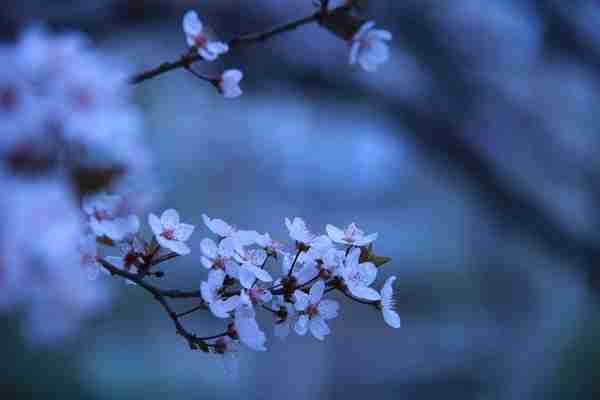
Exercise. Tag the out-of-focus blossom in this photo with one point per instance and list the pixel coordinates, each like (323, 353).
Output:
(68, 130)
(170, 233)
(88, 250)
(229, 83)
(43, 262)
(109, 216)
(369, 47)
(196, 38)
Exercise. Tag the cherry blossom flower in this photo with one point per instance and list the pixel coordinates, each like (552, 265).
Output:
(302, 274)
(388, 304)
(247, 328)
(359, 276)
(300, 233)
(256, 295)
(369, 47)
(351, 236)
(196, 38)
(270, 245)
(219, 257)
(315, 311)
(298, 230)
(319, 246)
(251, 267)
(209, 291)
(229, 83)
(109, 216)
(224, 230)
(169, 232)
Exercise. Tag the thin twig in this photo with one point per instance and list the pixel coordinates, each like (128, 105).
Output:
(294, 263)
(190, 57)
(159, 295)
(192, 310)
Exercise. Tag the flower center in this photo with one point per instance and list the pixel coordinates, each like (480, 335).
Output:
(168, 234)
(200, 40)
(312, 310)
(219, 263)
(101, 214)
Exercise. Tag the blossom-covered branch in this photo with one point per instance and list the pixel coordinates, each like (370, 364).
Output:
(240, 282)
(368, 45)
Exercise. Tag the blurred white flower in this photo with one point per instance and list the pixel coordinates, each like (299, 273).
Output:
(131, 257)
(359, 276)
(388, 304)
(369, 47)
(109, 216)
(229, 83)
(88, 250)
(170, 233)
(351, 236)
(196, 37)
(315, 311)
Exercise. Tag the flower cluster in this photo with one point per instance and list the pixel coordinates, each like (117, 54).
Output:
(241, 279)
(67, 128)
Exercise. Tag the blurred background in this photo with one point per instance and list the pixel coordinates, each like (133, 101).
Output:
(473, 152)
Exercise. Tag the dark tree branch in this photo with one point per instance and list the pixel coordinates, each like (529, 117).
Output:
(190, 57)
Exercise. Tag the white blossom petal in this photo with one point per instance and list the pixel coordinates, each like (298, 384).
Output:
(209, 248)
(174, 245)
(301, 325)
(316, 292)
(328, 309)
(246, 276)
(155, 224)
(335, 234)
(302, 300)
(364, 292)
(318, 328)
(391, 318)
(183, 232)
(191, 23)
(170, 219)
